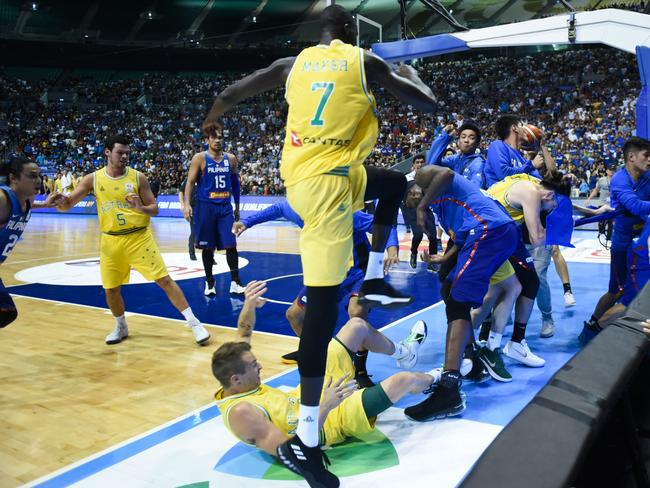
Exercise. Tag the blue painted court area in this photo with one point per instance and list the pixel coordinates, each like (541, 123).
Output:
(285, 281)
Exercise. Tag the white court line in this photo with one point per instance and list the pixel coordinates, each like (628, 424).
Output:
(194, 412)
(280, 277)
(59, 302)
(51, 257)
(404, 271)
(270, 300)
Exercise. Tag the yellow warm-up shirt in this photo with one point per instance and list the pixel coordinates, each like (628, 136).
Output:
(331, 121)
(116, 217)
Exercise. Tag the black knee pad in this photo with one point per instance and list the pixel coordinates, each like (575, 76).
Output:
(317, 330)
(457, 310)
(529, 281)
(7, 316)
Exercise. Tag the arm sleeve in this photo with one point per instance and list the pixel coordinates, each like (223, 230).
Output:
(362, 222)
(629, 199)
(435, 152)
(235, 183)
(273, 212)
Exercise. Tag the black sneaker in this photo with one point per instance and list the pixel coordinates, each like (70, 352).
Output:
(478, 373)
(308, 462)
(378, 293)
(445, 401)
(192, 256)
(290, 358)
(590, 329)
(433, 267)
(363, 379)
(414, 260)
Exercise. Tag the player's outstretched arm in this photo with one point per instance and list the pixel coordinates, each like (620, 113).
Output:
(79, 193)
(526, 196)
(259, 81)
(249, 424)
(253, 300)
(404, 84)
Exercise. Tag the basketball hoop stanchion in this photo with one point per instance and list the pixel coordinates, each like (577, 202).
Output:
(642, 112)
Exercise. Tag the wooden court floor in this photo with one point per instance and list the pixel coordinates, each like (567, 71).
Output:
(66, 395)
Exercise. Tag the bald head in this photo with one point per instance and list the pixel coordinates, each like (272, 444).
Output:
(337, 23)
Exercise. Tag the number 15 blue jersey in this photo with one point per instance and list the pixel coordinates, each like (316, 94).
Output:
(215, 185)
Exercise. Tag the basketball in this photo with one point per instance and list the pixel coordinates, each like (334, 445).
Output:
(533, 134)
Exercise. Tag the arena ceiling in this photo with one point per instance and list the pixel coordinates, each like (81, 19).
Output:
(208, 23)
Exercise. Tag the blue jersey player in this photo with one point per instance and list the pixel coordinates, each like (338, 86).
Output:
(217, 178)
(485, 237)
(630, 191)
(22, 180)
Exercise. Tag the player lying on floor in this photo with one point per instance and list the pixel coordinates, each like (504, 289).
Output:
(265, 417)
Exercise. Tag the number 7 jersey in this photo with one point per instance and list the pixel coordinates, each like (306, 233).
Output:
(331, 121)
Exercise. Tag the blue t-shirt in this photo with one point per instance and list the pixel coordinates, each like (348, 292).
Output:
(634, 198)
(471, 166)
(503, 160)
(215, 183)
(639, 249)
(463, 209)
(11, 231)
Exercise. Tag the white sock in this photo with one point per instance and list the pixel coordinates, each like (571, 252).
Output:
(375, 266)
(308, 425)
(121, 320)
(189, 316)
(494, 340)
(400, 351)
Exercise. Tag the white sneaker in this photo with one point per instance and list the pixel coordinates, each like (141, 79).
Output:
(200, 334)
(465, 368)
(569, 301)
(522, 353)
(119, 333)
(413, 341)
(209, 292)
(237, 288)
(548, 328)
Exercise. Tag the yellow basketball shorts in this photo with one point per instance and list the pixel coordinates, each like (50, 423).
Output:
(326, 203)
(118, 254)
(349, 418)
(504, 272)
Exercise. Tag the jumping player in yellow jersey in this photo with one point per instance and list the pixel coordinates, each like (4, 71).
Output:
(331, 129)
(125, 204)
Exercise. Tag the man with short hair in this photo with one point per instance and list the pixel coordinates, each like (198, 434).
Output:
(125, 205)
(630, 192)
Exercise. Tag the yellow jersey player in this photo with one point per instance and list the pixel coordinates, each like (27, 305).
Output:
(125, 205)
(331, 128)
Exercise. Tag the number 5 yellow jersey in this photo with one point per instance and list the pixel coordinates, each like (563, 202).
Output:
(331, 121)
(116, 217)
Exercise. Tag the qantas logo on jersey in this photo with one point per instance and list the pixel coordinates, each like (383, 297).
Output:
(295, 139)
(326, 141)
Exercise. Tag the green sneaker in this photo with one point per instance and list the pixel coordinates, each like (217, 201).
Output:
(494, 364)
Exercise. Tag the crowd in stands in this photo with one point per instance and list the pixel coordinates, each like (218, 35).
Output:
(583, 99)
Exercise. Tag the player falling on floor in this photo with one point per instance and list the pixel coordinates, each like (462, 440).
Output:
(331, 129)
(125, 205)
(217, 177)
(22, 180)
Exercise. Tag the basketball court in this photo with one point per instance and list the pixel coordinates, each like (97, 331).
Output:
(81, 412)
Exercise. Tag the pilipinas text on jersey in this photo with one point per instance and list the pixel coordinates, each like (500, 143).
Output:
(215, 184)
(11, 231)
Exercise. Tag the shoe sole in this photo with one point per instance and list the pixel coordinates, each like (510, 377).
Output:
(110, 343)
(203, 341)
(288, 361)
(383, 301)
(546, 336)
(493, 373)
